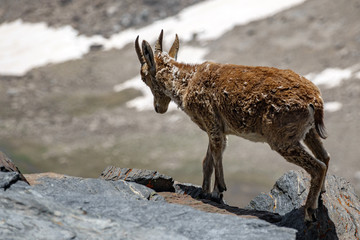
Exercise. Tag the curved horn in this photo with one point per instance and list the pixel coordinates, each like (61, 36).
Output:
(174, 48)
(138, 51)
(158, 45)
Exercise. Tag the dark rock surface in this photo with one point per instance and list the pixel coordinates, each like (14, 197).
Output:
(149, 178)
(338, 214)
(6, 165)
(78, 208)
(8, 178)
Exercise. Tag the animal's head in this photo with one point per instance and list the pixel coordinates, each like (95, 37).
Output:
(149, 69)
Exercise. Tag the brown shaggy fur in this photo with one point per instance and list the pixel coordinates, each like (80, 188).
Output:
(261, 104)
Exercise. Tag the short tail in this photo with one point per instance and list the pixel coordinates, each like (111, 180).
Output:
(319, 122)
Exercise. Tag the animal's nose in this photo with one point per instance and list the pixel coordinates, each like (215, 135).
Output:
(156, 108)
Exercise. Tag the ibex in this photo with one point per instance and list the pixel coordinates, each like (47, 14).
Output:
(261, 104)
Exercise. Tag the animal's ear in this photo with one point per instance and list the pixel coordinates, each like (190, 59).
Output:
(149, 57)
(138, 51)
(174, 48)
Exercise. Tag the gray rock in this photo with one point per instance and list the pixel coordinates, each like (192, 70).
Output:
(337, 216)
(7, 179)
(6, 165)
(77, 208)
(154, 180)
(149, 178)
(288, 193)
(189, 189)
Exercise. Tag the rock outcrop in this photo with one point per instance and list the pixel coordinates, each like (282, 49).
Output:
(338, 214)
(77, 208)
(121, 205)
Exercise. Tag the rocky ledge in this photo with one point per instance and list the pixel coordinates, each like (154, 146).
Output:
(122, 204)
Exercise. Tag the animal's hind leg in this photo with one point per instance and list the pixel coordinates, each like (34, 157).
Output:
(314, 143)
(208, 168)
(298, 155)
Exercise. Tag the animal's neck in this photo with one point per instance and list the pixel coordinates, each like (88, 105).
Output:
(174, 77)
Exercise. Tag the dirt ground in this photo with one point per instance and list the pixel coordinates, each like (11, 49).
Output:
(66, 117)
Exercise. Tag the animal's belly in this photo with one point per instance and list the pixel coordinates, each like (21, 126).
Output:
(240, 131)
(254, 137)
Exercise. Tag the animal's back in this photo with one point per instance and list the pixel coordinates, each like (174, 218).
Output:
(252, 99)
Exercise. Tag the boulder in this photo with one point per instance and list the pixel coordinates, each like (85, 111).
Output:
(338, 213)
(84, 208)
(338, 216)
(122, 205)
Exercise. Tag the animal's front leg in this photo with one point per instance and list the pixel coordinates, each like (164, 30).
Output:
(217, 146)
(208, 168)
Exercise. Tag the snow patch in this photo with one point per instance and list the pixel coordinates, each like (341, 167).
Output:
(332, 106)
(134, 82)
(205, 21)
(141, 103)
(24, 46)
(144, 102)
(330, 77)
(190, 54)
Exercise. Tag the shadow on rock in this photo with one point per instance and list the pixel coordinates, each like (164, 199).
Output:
(196, 193)
(323, 228)
(337, 215)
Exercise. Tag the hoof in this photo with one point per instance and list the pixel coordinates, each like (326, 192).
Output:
(220, 188)
(214, 196)
(205, 195)
(310, 215)
(217, 197)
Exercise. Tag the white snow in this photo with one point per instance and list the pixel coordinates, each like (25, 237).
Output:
(333, 77)
(141, 103)
(206, 20)
(330, 77)
(134, 82)
(191, 54)
(332, 106)
(24, 46)
(144, 102)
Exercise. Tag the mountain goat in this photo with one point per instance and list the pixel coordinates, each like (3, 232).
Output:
(261, 104)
